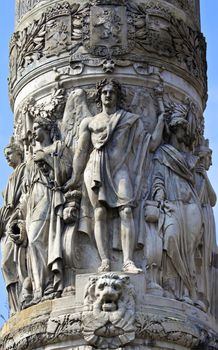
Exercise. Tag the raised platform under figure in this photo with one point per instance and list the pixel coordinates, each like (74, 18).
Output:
(113, 170)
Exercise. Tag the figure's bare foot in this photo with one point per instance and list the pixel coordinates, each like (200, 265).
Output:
(130, 267)
(105, 266)
(70, 290)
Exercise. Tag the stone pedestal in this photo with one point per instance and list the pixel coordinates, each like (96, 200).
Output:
(160, 323)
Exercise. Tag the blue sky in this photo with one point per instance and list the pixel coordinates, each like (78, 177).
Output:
(209, 10)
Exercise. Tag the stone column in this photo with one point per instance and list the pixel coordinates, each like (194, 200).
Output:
(108, 222)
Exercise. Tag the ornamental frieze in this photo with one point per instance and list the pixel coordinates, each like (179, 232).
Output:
(110, 31)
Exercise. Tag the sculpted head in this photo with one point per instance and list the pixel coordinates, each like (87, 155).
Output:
(205, 154)
(109, 311)
(179, 127)
(14, 154)
(106, 292)
(43, 127)
(109, 93)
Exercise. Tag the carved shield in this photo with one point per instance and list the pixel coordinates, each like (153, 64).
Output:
(108, 32)
(57, 30)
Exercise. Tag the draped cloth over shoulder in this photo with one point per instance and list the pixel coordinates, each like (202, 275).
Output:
(105, 173)
(13, 257)
(44, 206)
(182, 227)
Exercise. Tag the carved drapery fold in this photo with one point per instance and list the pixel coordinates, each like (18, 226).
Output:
(109, 208)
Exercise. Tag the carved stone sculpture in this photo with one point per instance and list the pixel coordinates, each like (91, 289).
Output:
(107, 227)
(47, 169)
(13, 247)
(207, 248)
(182, 223)
(108, 316)
(117, 138)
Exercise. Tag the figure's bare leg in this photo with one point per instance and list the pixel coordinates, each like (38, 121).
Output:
(101, 237)
(128, 239)
(127, 233)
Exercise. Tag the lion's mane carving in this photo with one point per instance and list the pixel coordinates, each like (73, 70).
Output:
(109, 311)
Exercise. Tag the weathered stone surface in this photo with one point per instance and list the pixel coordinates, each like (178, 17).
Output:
(160, 323)
(107, 228)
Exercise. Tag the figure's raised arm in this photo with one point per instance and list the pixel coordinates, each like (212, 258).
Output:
(157, 135)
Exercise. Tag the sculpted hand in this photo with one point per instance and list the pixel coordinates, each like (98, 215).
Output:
(15, 217)
(200, 169)
(160, 195)
(70, 184)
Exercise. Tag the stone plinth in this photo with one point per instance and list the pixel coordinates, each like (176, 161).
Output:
(160, 323)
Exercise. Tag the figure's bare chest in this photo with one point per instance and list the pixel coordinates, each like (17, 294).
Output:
(99, 125)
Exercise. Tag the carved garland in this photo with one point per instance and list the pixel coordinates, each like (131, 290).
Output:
(190, 48)
(148, 326)
(32, 43)
(172, 330)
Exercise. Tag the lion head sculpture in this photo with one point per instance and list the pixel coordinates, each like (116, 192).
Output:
(109, 311)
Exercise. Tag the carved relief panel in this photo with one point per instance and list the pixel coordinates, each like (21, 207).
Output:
(58, 30)
(109, 31)
(112, 132)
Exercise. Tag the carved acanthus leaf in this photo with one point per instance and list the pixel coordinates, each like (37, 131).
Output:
(190, 47)
(31, 42)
